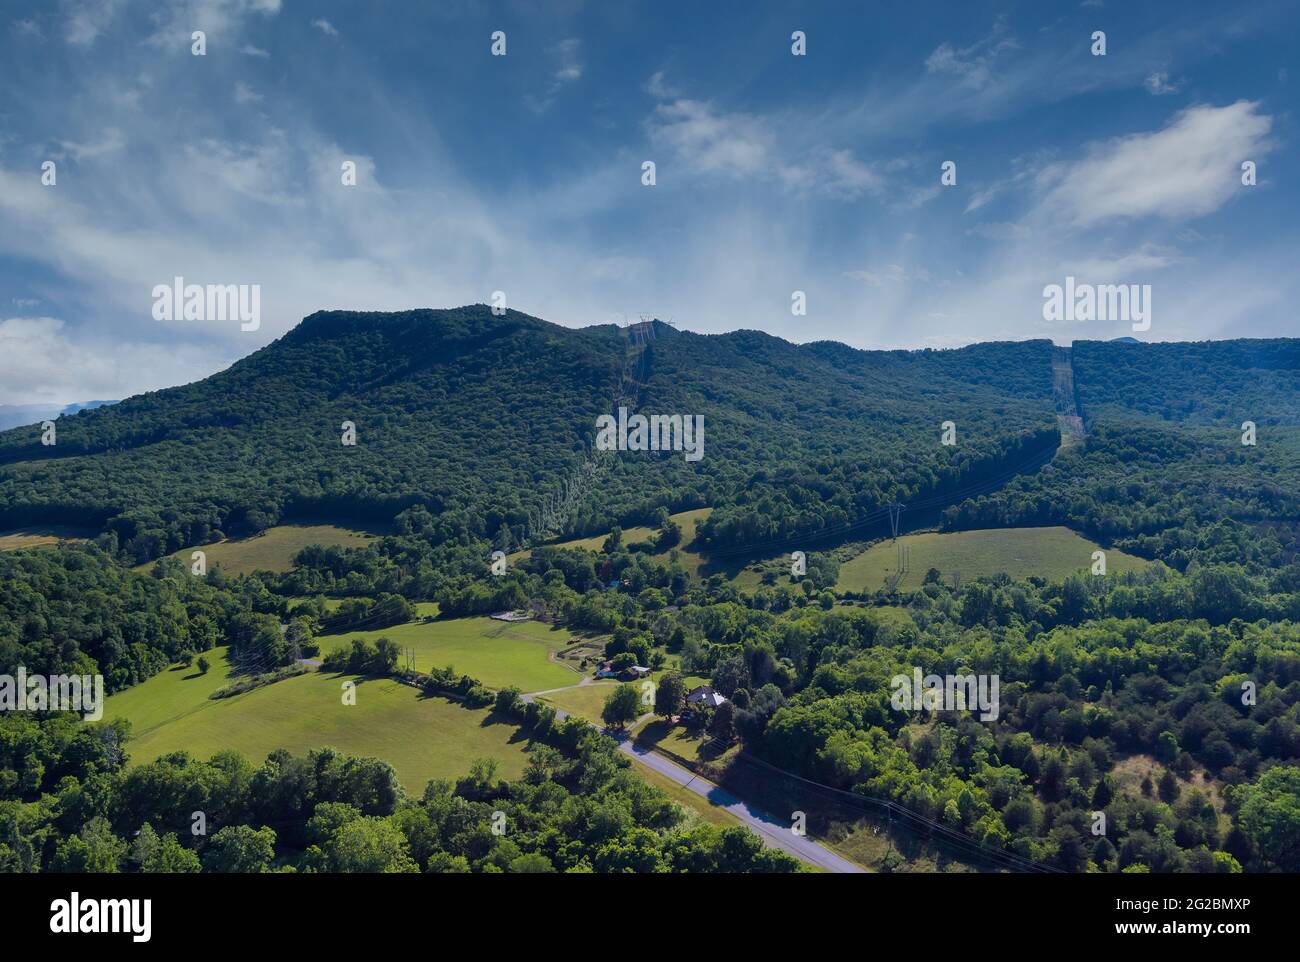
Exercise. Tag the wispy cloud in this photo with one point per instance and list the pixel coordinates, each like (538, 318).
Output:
(244, 94)
(973, 65)
(85, 20)
(1158, 84)
(1189, 168)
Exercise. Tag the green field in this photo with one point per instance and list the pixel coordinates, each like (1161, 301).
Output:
(421, 737)
(688, 520)
(423, 609)
(585, 702)
(272, 549)
(497, 653)
(169, 695)
(39, 537)
(676, 740)
(1052, 553)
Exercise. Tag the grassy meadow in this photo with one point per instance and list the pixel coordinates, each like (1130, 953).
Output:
(585, 702)
(497, 653)
(688, 520)
(1052, 553)
(40, 536)
(421, 737)
(272, 549)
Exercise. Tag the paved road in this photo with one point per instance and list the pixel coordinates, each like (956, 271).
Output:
(774, 832)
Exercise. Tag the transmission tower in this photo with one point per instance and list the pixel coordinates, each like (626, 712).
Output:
(896, 509)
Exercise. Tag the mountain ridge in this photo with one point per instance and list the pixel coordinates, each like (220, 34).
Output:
(478, 418)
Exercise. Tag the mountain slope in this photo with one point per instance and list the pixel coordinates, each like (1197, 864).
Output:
(480, 418)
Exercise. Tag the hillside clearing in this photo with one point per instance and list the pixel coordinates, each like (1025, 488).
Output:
(40, 536)
(421, 737)
(1053, 553)
(272, 549)
(497, 653)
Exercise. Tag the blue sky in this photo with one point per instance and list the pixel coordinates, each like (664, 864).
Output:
(522, 173)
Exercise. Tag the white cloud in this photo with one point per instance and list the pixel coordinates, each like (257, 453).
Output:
(325, 27)
(1187, 169)
(42, 362)
(706, 140)
(1141, 262)
(710, 141)
(244, 94)
(999, 230)
(110, 143)
(176, 20)
(87, 19)
(657, 87)
(1158, 85)
(973, 65)
(570, 68)
(890, 275)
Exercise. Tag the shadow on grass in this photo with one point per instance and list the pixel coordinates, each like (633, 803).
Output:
(656, 731)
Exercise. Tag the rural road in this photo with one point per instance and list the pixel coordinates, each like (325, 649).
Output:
(774, 832)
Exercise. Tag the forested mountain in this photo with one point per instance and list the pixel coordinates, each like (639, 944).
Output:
(1168, 697)
(481, 419)
(1164, 471)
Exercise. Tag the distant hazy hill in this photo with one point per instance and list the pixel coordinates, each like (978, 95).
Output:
(16, 415)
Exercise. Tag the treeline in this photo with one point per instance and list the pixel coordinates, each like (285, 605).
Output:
(73, 610)
(577, 808)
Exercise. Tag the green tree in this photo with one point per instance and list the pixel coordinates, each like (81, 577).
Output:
(1270, 816)
(670, 695)
(95, 849)
(621, 707)
(723, 724)
(240, 849)
(372, 845)
(152, 854)
(531, 863)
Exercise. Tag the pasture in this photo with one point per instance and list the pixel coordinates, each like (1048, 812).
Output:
(272, 549)
(1053, 553)
(497, 653)
(421, 737)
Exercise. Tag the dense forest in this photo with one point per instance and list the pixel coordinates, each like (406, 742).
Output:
(1167, 699)
(1163, 471)
(478, 418)
(1095, 673)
